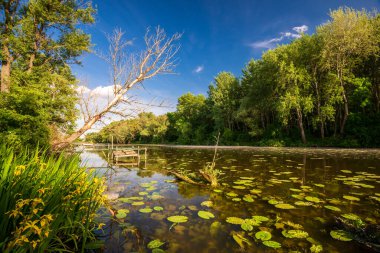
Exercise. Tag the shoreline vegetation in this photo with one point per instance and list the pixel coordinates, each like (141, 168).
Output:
(321, 89)
(48, 202)
(243, 147)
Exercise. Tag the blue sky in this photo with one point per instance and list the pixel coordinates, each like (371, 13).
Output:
(218, 36)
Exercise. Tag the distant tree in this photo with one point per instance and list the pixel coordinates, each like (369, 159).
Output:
(224, 96)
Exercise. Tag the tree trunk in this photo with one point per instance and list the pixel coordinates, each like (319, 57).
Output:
(322, 129)
(345, 101)
(300, 125)
(345, 113)
(5, 73)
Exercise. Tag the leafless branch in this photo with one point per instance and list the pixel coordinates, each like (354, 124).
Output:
(127, 71)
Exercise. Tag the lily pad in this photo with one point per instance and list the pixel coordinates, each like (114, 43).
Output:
(284, 206)
(316, 248)
(260, 218)
(313, 199)
(207, 203)
(256, 191)
(137, 203)
(122, 213)
(272, 244)
(177, 218)
(236, 199)
(158, 208)
(263, 235)
(333, 208)
(143, 193)
(155, 244)
(205, 215)
(303, 203)
(295, 233)
(273, 202)
(235, 220)
(248, 198)
(146, 210)
(351, 216)
(352, 198)
(239, 187)
(346, 171)
(246, 226)
(340, 235)
(232, 194)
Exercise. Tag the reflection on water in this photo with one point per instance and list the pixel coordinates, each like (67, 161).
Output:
(319, 184)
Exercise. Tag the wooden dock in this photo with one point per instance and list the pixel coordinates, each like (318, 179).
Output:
(125, 155)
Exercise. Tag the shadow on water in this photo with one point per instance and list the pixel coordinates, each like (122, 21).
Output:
(317, 185)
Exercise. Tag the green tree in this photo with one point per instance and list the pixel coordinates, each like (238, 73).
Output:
(348, 38)
(224, 98)
(39, 41)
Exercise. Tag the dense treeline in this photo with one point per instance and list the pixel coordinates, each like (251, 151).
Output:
(321, 89)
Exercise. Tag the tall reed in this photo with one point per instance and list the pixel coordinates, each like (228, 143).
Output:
(47, 202)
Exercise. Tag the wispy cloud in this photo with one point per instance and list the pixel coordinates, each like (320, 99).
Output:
(270, 43)
(301, 29)
(199, 69)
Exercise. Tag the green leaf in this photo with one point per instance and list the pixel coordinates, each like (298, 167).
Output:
(235, 220)
(260, 218)
(284, 206)
(351, 216)
(313, 199)
(246, 226)
(205, 215)
(207, 203)
(295, 233)
(137, 203)
(263, 235)
(352, 198)
(146, 210)
(272, 244)
(340, 235)
(155, 244)
(158, 208)
(333, 208)
(239, 239)
(316, 248)
(177, 219)
(248, 198)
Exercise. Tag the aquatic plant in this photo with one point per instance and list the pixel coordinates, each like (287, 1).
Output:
(209, 172)
(272, 244)
(48, 202)
(340, 235)
(263, 235)
(205, 215)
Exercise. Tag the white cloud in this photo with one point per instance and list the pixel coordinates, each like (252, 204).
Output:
(270, 43)
(140, 101)
(199, 69)
(266, 43)
(301, 29)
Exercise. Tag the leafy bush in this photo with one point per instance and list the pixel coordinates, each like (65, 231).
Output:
(48, 203)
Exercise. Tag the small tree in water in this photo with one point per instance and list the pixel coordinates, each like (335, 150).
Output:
(209, 172)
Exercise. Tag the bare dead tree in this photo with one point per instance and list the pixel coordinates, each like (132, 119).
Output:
(127, 71)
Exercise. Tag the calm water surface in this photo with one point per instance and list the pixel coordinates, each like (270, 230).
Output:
(253, 183)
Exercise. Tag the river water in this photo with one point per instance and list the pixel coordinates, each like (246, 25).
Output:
(293, 195)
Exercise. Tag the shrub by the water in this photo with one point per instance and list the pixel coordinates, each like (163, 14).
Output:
(47, 202)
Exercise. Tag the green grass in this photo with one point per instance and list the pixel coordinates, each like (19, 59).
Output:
(47, 202)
